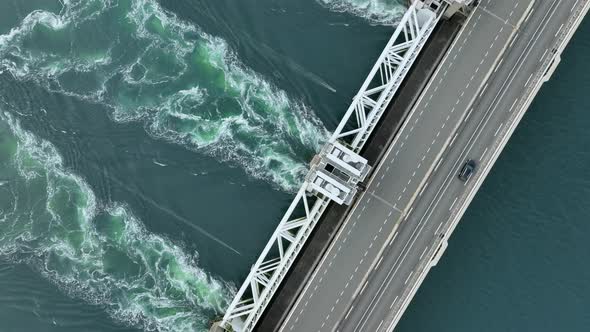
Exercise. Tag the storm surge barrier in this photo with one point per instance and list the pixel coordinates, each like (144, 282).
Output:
(337, 170)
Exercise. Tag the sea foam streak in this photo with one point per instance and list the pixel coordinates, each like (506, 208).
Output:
(187, 86)
(376, 11)
(51, 220)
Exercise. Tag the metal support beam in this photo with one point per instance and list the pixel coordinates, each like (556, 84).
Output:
(342, 152)
(335, 173)
(387, 75)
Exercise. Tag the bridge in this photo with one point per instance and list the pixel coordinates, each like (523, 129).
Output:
(405, 206)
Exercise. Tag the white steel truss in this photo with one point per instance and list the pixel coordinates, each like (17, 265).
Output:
(335, 173)
(304, 212)
(386, 76)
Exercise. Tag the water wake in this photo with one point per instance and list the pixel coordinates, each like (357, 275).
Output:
(51, 220)
(185, 85)
(376, 11)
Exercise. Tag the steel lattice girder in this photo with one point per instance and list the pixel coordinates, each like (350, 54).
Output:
(386, 76)
(296, 225)
(275, 260)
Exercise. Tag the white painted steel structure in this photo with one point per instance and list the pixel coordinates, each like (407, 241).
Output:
(386, 76)
(304, 212)
(335, 173)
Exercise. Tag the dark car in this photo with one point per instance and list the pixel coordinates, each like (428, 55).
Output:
(467, 169)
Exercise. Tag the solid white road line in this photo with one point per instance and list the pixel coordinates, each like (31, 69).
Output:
(472, 141)
(478, 126)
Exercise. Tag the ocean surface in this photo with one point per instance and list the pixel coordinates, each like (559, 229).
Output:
(149, 148)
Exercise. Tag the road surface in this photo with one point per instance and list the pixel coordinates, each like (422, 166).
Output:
(388, 201)
(391, 286)
(367, 275)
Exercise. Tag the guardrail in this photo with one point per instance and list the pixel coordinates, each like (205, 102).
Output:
(539, 77)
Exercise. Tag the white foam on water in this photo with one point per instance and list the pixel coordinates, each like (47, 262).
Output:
(51, 220)
(187, 86)
(385, 12)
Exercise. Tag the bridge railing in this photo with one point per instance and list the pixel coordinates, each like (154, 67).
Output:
(304, 212)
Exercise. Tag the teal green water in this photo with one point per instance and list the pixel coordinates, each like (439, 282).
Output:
(101, 254)
(148, 149)
(384, 12)
(185, 85)
(518, 259)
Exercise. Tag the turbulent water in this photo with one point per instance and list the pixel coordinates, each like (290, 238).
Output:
(70, 221)
(52, 221)
(185, 85)
(149, 148)
(376, 11)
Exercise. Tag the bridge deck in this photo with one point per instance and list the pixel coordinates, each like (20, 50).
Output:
(469, 110)
(423, 68)
(539, 37)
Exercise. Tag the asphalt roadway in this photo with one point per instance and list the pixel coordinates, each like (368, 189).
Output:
(367, 274)
(487, 122)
